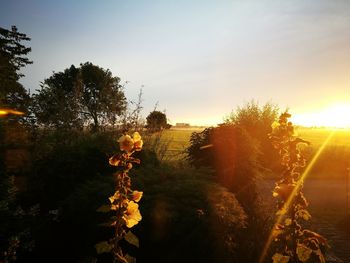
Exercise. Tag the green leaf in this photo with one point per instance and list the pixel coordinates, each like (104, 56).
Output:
(279, 258)
(103, 247)
(303, 252)
(104, 209)
(132, 239)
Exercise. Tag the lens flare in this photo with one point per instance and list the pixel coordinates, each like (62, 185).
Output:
(289, 201)
(5, 112)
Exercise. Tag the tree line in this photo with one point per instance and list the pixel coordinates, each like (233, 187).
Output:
(87, 96)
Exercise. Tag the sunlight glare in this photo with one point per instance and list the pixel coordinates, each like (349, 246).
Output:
(292, 195)
(336, 116)
(5, 112)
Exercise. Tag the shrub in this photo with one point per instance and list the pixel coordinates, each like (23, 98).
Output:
(58, 168)
(256, 121)
(232, 153)
(187, 217)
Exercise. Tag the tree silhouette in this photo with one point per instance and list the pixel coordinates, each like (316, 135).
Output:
(156, 121)
(12, 59)
(76, 97)
(102, 98)
(56, 104)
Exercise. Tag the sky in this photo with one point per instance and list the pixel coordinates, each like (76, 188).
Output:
(199, 60)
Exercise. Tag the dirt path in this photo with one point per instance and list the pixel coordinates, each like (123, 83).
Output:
(328, 207)
(326, 224)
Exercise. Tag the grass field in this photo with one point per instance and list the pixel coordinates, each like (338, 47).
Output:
(173, 142)
(317, 136)
(177, 140)
(328, 198)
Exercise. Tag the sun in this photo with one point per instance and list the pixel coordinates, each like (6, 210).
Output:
(335, 116)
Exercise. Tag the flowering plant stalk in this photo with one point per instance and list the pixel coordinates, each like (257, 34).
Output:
(292, 242)
(124, 202)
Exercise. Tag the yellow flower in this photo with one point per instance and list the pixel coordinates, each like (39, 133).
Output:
(275, 125)
(136, 136)
(132, 214)
(115, 197)
(126, 143)
(138, 143)
(136, 196)
(115, 160)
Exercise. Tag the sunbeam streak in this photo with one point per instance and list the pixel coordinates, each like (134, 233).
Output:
(293, 194)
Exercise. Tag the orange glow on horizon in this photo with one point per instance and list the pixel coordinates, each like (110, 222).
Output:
(335, 116)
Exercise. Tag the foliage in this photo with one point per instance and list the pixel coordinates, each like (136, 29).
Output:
(76, 97)
(61, 161)
(56, 105)
(187, 217)
(233, 154)
(256, 121)
(70, 231)
(12, 59)
(123, 203)
(102, 97)
(293, 242)
(156, 121)
(199, 153)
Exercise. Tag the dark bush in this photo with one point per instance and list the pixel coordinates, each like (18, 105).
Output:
(62, 164)
(232, 153)
(72, 231)
(187, 217)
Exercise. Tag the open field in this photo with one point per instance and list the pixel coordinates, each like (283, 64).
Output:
(317, 136)
(175, 141)
(328, 198)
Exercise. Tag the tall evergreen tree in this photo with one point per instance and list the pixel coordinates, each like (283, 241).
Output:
(12, 59)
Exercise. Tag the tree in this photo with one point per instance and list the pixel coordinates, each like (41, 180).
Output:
(76, 97)
(102, 95)
(12, 59)
(156, 121)
(14, 96)
(57, 104)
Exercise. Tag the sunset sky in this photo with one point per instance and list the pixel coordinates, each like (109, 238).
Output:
(200, 59)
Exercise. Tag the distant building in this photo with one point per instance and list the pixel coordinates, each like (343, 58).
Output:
(182, 125)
